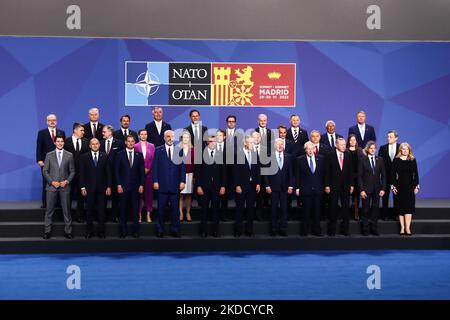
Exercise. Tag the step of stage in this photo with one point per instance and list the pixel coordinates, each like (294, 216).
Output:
(35, 229)
(224, 244)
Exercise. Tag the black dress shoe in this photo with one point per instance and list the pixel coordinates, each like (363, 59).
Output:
(136, 235)
(317, 234)
(79, 220)
(203, 235)
(88, 235)
(283, 233)
(47, 235)
(273, 233)
(43, 206)
(101, 236)
(224, 219)
(332, 234)
(345, 233)
(175, 234)
(250, 234)
(237, 234)
(258, 218)
(375, 232)
(304, 234)
(365, 233)
(160, 235)
(115, 220)
(68, 236)
(122, 236)
(216, 235)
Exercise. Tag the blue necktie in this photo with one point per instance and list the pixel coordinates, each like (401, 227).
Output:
(95, 159)
(373, 165)
(311, 165)
(280, 161)
(59, 158)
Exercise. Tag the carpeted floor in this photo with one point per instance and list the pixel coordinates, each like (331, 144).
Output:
(243, 275)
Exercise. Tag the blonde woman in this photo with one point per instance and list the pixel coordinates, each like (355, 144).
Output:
(405, 186)
(188, 158)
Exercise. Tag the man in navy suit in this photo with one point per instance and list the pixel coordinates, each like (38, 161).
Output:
(169, 178)
(197, 131)
(44, 144)
(247, 183)
(288, 145)
(124, 129)
(278, 185)
(156, 128)
(309, 177)
(297, 135)
(363, 132)
(93, 129)
(95, 184)
(130, 179)
(265, 133)
(319, 147)
(329, 138)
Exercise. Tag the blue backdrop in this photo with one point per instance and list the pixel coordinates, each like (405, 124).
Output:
(402, 86)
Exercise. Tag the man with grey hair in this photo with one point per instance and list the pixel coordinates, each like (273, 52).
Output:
(266, 133)
(44, 144)
(363, 132)
(329, 137)
(319, 147)
(93, 129)
(156, 128)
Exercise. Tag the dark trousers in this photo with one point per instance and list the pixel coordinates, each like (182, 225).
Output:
(245, 202)
(95, 204)
(344, 197)
(312, 210)
(209, 197)
(163, 200)
(115, 204)
(279, 210)
(44, 193)
(386, 213)
(76, 194)
(129, 200)
(370, 211)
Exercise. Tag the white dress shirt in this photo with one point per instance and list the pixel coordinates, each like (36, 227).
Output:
(171, 150)
(392, 151)
(158, 125)
(362, 130)
(132, 155)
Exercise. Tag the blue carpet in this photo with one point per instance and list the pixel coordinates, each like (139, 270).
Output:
(243, 275)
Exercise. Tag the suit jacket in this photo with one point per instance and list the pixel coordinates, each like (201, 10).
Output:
(168, 174)
(153, 136)
(203, 129)
(53, 172)
(268, 141)
(130, 178)
(289, 147)
(307, 182)
(88, 131)
(116, 146)
(211, 176)
(369, 181)
(118, 134)
(244, 176)
(335, 178)
(150, 153)
(324, 149)
(384, 153)
(44, 143)
(325, 141)
(68, 145)
(94, 178)
(301, 140)
(369, 135)
(282, 179)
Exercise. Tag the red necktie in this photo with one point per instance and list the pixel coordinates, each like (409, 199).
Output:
(317, 151)
(341, 160)
(53, 135)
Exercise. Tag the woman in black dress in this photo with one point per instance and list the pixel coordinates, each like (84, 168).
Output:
(356, 153)
(405, 186)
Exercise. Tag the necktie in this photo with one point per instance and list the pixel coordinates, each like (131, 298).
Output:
(341, 160)
(59, 158)
(280, 161)
(372, 163)
(95, 159)
(391, 152)
(295, 135)
(316, 152)
(212, 154)
(311, 165)
(53, 135)
(249, 159)
(94, 130)
(108, 146)
(130, 158)
(169, 153)
(257, 149)
(220, 147)
(125, 132)
(332, 141)
(78, 146)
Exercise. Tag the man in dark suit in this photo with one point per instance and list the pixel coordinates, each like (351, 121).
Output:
(339, 184)
(211, 181)
(388, 152)
(264, 160)
(329, 137)
(279, 182)
(246, 177)
(124, 129)
(130, 179)
(95, 184)
(363, 132)
(197, 131)
(372, 184)
(288, 145)
(93, 129)
(77, 145)
(169, 178)
(297, 135)
(309, 177)
(233, 136)
(225, 147)
(319, 147)
(44, 144)
(111, 147)
(265, 133)
(156, 128)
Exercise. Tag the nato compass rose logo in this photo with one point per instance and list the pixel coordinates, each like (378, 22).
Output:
(147, 83)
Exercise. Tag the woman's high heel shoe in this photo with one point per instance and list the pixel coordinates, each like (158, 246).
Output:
(149, 219)
(188, 217)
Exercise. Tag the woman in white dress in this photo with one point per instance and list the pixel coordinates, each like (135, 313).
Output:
(188, 158)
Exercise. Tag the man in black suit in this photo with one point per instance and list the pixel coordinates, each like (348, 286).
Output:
(44, 144)
(197, 131)
(246, 177)
(319, 147)
(233, 136)
(156, 128)
(339, 184)
(265, 133)
(124, 129)
(372, 184)
(211, 181)
(224, 148)
(95, 184)
(388, 152)
(363, 132)
(309, 177)
(130, 179)
(288, 145)
(93, 129)
(77, 145)
(329, 138)
(297, 135)
(111, 147)
(278, 185)
(264, 160)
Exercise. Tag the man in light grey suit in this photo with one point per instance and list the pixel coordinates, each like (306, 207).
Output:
(59, 171)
